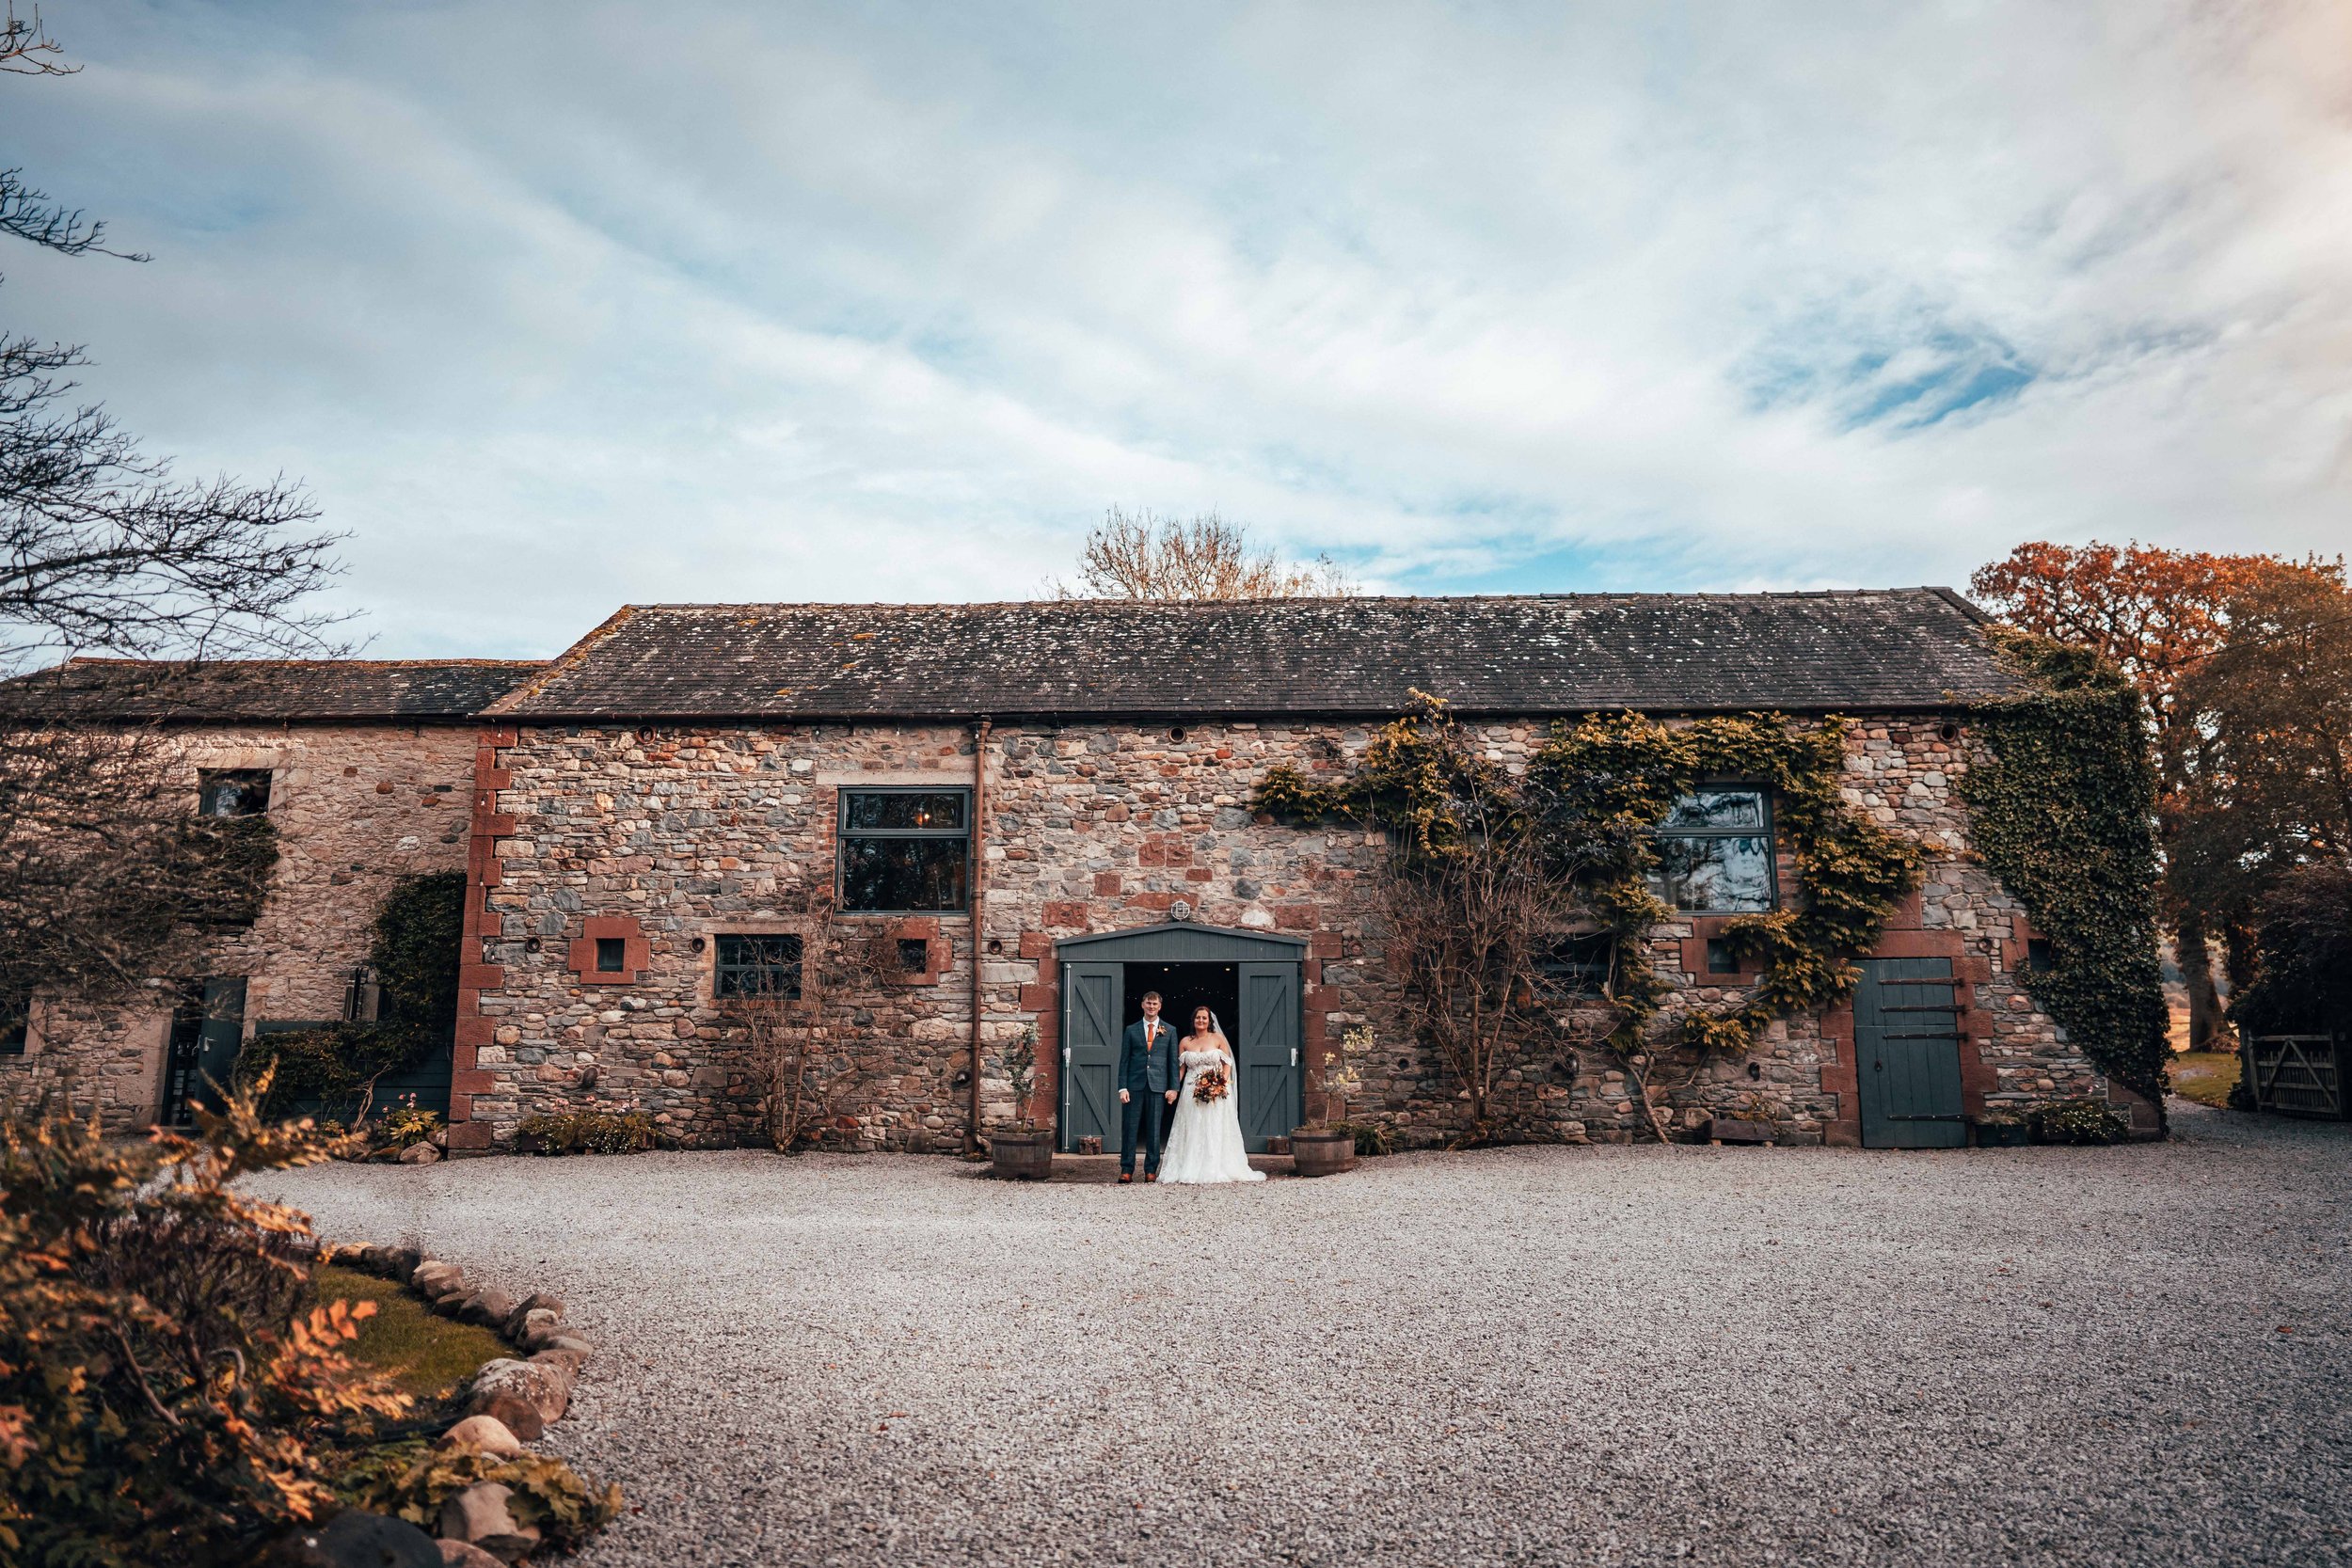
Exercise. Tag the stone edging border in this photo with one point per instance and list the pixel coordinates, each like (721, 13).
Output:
(510, 1401)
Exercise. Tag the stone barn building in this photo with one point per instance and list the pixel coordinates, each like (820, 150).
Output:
(365, 770)
(938, 842)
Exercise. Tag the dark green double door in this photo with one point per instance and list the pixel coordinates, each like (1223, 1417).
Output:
(1906, 1030)
(1095, 1015)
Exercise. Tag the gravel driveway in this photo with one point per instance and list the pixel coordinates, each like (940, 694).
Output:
(2127, 1355)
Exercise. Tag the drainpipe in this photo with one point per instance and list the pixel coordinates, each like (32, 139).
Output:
(980, 916)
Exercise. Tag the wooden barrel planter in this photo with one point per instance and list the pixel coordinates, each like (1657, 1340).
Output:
(1314, 1154)
(1021, 1156)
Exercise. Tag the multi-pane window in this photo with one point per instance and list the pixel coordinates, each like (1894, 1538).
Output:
(766, 965)
(233, 792)
(905, 851)
(1715, 853)
(1578, 966)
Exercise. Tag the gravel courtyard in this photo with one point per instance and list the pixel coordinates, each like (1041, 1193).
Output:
(2128, 1356)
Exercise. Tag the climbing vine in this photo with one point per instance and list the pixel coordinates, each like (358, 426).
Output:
(418, 933)
(1590, 799)
(2063, 807)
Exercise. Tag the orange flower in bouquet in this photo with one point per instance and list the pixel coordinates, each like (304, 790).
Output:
(1210, 1087)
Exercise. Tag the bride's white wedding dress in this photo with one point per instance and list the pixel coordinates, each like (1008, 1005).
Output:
(1205, 1145)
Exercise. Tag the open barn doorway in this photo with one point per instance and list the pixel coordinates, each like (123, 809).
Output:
(1252, 981)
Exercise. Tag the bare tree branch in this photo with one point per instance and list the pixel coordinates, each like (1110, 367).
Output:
(1143, 556)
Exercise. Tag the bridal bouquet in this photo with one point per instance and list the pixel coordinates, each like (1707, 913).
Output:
(1210, 1087)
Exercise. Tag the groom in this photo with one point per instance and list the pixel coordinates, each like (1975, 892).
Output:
(1148, 1080)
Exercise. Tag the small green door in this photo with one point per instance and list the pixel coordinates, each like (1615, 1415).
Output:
(207, 1033)
(1906, 1028)
(1093, 999)
(1270, 1100)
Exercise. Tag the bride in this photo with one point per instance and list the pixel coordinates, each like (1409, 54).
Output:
(1205, 1145)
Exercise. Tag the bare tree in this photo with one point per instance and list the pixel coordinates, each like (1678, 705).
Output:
(106, 876)
(1143, 556)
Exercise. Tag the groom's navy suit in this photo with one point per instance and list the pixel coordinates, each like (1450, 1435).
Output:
(1146, 1070)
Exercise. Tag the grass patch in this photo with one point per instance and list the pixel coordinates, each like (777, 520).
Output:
(2205, 1076)
(427, 1357)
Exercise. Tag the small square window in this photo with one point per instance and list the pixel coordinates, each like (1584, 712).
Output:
(914, 955)
(761, 965)
(611, 954)
(1720, 958)
(233, 792)
(16, 1024)
(2039, 960)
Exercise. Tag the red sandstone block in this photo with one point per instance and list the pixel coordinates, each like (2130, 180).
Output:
(464, 1134)
(1036, 999)
(1200, 874)
(494, 824)
(480, 977)
(1107, 883)
(1296, 918)
(1036, 944)
(474, 1081)
(1323, 944)
(1065, 914)
(474, 1033)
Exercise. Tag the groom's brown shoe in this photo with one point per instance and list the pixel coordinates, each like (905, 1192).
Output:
(1151, 1176)
(1125, 1177)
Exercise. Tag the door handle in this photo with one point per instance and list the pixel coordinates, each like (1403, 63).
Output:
(1293, 1055)
(1065, 1055)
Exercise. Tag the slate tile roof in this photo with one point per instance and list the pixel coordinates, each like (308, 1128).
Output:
(227, 690)
(1899, 649)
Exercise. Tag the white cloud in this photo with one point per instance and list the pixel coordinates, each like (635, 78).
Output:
(556, 307)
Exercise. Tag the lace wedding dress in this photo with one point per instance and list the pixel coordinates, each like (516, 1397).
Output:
(1205, 1145)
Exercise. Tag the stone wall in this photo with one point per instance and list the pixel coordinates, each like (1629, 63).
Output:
(356, 808)
(668, 837)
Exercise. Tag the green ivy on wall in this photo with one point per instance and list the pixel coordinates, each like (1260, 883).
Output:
(419, 930)
(1595, 794)
(2063, 813)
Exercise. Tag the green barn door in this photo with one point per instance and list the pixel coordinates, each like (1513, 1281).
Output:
(1270, 1091)
(1906, 1031)
(1093, 999)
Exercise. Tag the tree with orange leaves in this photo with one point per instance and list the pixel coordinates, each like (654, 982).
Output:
(2160, 617)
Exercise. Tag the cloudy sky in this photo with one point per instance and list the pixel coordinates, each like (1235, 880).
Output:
(557, 307)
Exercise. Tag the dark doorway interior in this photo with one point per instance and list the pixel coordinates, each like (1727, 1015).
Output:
(1183, 988)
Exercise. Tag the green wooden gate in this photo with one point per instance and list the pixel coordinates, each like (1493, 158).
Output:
(1906, 1029)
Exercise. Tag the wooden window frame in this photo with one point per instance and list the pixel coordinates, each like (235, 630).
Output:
(843, 834)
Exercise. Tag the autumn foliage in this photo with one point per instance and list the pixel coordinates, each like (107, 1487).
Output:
(168, 1390)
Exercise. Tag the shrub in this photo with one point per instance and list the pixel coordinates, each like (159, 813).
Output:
(413, 953)
(2081, 1121)
(163, 1398)
(1371, 1137)
(404, 1124)
(586, 1132)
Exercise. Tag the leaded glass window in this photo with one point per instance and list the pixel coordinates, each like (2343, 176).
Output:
(763, 965)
